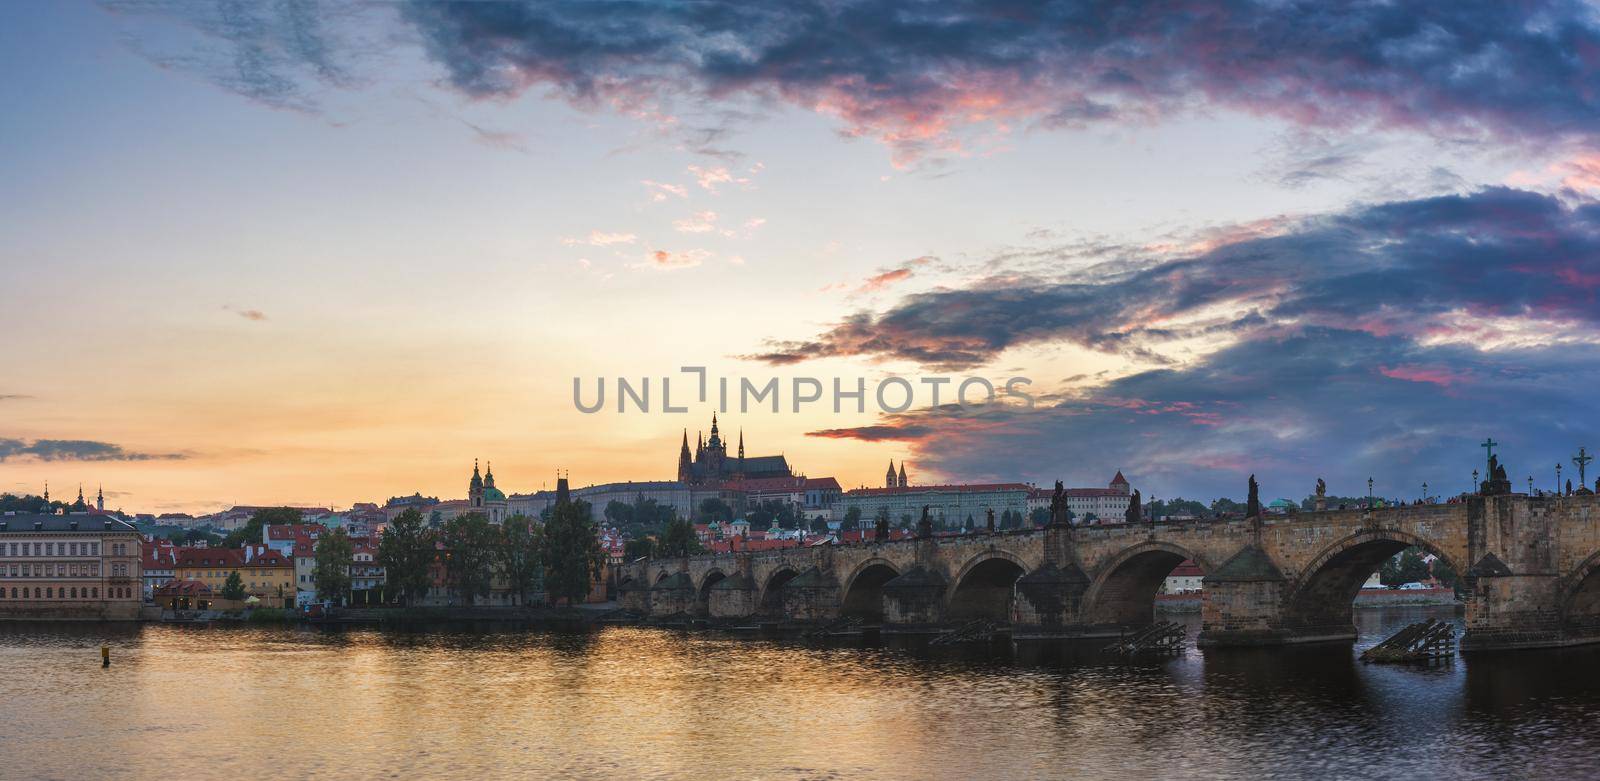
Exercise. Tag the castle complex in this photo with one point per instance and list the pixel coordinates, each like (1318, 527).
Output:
(711, 465)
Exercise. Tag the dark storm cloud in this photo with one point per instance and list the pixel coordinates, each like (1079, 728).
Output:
(914, 74)
(1424, 268)
(74, 450)
(1344, 405)
(906, 72)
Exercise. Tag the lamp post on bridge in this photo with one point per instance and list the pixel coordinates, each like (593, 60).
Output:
(1558, 478)
(1424, 492)
(1474, 481)
(1530, 485)
(1369, 493)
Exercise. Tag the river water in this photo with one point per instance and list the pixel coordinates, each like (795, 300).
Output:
(625, 703)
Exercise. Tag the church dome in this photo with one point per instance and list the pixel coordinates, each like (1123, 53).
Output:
(493, 495)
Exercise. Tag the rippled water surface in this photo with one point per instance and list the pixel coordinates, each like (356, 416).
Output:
(641, 703)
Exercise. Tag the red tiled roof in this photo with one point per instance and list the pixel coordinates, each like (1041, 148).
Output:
(1119, 479)
(964, 489)
(182, 588)
(1094, 492)
(1188, 569)
(741, 544)
(299, 531)
(231, 558)
(157, 555)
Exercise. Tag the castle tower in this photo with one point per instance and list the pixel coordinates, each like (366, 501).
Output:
(1120, 484)
(475, 486)
(46, 509)
(903, 482)
(563, 493)
(889, 480)
(100, 498)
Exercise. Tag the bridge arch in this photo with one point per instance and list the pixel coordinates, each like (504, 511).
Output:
(771, 600)
(702, 594)
(985, 586)
(1580, 597)
(1320, 600)
(1123, 591)
(863, 588)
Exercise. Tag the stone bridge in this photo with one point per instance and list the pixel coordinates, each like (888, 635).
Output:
(1528, 563)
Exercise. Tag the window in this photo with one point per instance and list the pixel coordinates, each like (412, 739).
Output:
(50, 593)
(94, 549)
(74, 593)
(95, 592)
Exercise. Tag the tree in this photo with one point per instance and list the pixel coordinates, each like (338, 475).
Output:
(852, 517)
(619, 513)
(233, 587)
(1405, 567)
(1447, 576)
(714, 509)
(330, 570)
(1041, 516)
(470, 543)
(406, 551)
(678, 540)
(1226, 506)
(521, 553)
(573, 557)
(250, 532)
(640, 548)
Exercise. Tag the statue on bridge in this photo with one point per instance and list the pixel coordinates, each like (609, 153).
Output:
(1058, 507)
(1135, 511)
(1322, 488)
(1252, 506)
(1496, 481)
(990, 517)
(925, 524)
(880, 531)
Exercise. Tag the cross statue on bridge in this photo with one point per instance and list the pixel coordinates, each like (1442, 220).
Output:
(1488, 444)
(1582, 460)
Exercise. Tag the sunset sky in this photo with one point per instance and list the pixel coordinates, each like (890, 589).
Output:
(298, 252)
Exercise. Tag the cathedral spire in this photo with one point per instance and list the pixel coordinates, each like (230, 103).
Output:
(100, 498)
(903, 482)
(685, 464)
(741, 442)
(488, 474)
(889, 478)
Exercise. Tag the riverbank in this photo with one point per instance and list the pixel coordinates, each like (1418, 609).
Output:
(540, 616)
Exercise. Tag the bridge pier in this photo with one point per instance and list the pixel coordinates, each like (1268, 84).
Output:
(1243, 602)
(673, 595)
(811, 596)
(1049, 600)
(735, 596)
(1515, 594)
(914, 601)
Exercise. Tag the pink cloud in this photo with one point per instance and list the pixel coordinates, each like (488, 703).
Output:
(1433, 375)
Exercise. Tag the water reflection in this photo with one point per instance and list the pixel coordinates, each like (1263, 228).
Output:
(636, 703)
